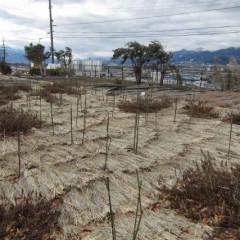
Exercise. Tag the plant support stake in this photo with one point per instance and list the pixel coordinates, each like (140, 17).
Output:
(71, 119)
(136, 127)
(139, 211)
(19, 152)
(111, 211)
(107, 144)
(230, 136)
(84, 119)
(175, 111)
(52, 117)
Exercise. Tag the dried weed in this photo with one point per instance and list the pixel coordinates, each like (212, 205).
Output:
(31, 218)
(200, 109)
(210, 194)
(12, 120)
(233, 116)
(145, 105)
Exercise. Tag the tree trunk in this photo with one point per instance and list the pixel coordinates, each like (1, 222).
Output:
(138, 74)
(42, 69)
(138, 78)
(162, 77)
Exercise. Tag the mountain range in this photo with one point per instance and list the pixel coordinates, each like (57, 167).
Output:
(198, 56)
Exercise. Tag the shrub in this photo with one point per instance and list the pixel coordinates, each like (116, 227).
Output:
(47, 96)
(210, 194)
(5, 69)
(52, 72)
(63, 71)
(11, 121)
(8, 93)
(234, 117)
(63, 86)
(34, 71)
(118, 81)
(30, 218)
(145, 105)
(200, 109)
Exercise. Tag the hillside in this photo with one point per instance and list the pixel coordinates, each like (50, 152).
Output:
(184, 56)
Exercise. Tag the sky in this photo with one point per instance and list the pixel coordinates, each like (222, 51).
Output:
(94, 28)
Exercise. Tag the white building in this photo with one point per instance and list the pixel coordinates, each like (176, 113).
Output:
(88, 67)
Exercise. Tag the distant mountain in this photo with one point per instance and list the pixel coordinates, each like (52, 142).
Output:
(183, 56)
(15, 56)
(200, 56)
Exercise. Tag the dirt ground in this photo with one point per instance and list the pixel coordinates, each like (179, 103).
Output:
(54, 167)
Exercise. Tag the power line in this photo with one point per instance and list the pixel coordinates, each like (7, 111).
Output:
(164, 7)
(154, 31)
(149, 17)
(154, 35)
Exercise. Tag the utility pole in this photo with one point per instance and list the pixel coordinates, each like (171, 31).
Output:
(51, 30)
(4, 51)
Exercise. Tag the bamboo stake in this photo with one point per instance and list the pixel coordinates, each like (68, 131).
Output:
(40, 110)
(52, 117)
(138, 118)
(114, 100)
(139, 211)
(146, 108)
(84, 120)
(77, 111)
(71, 120)
(111, 211)
(107, 144)
(136, 127)
(102, 95)
(19, 152)
(230, 136)
(175, 111)
(81, 100)
(191, 109)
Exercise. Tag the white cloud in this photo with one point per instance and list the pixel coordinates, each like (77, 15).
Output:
(25, 21)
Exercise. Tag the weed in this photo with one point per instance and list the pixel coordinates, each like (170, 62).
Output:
(200, 109)
(210, 194)
(31, 218)
(12, 120)
(47, 96)
(233, 116)
(61, 87)
(153, 106)
(9, 93)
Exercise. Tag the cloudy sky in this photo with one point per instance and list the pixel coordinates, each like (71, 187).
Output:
(96, 27)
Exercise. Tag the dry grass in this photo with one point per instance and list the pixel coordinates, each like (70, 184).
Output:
(31, 218)
(145, 105)
(210, 194)
(12, 120)
(47, 96)
(9, 93)
(200, 109)
(82, 80)
(220, 99)
(233, 117)
(63, 86)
